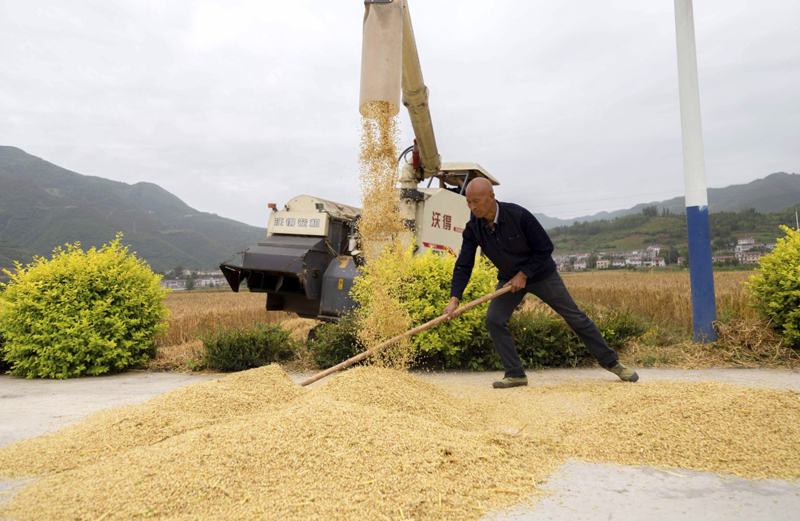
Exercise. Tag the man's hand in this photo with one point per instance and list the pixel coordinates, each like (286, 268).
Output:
(518, 282)
(451, 310)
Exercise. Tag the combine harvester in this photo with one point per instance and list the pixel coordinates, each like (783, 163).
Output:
(309, 258)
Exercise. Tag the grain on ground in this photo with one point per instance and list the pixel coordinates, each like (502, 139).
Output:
(191, 407)
(381, 444)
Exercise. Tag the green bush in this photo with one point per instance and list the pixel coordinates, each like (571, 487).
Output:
(478, 354)
(541, 340)
(546, 341)
(334, 342)
(426, 292)
(775, 290)
(237, 349)
(618, 326)
(81, 313)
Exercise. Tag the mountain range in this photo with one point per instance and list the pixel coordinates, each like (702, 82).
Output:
(773, 193)
(43, 206)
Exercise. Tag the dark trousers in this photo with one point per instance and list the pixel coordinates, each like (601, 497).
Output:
(554, 293)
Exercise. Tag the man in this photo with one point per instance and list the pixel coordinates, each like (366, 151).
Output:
(512, 238)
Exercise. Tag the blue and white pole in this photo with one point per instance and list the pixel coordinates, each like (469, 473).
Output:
(701, 275)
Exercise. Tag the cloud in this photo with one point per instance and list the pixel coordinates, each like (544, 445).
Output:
(232, 105)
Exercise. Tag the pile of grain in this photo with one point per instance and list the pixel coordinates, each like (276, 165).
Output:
(327, 453)
(704, 426)
(118, 430)
(377, 443)
(401, 392)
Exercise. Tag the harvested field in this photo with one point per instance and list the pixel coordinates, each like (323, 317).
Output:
(662, 296)
(379, 443)
(664, 299)
(192, 312)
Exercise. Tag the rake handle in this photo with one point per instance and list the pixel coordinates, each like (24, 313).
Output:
(394, 340)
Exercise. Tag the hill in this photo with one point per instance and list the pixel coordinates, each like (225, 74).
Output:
(43, 206)
(634, 232)
(773, 193)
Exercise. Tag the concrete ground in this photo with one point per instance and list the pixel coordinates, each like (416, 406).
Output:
(580, 490)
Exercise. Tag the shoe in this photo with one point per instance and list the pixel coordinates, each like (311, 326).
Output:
(511, 381)
(625, 374)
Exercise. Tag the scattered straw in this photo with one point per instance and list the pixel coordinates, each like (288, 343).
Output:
(378, 443)
(176, 356)
(299, 328)
(741, 343)
(194, 312)
(753, 343)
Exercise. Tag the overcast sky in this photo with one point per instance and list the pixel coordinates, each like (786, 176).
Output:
(572, 106)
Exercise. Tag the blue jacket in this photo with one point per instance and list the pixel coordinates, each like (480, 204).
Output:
(518, 243)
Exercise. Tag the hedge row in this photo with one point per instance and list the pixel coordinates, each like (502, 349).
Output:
(541, 340)
(237, 349)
